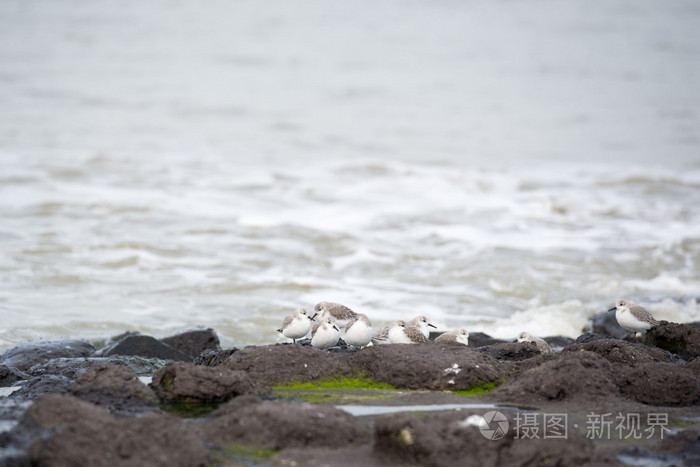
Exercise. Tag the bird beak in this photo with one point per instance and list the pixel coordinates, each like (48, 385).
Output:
(613, 308)
(312, 317)
(432, 325)
(336, 328)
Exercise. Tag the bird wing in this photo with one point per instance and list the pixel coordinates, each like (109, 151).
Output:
(287, 321)
(341, 312)
(415, 335)
(642, 314)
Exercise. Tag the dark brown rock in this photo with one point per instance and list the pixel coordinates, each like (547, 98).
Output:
(193, 342)
(514, 351)
(272, 364)
(277, 425)
(87, 435)
(617, 351)
(25, 356)
(659, 384)
(571, 376)
(446, 440)
(434, 365)
(186, 382)
(113, 386)
(214, 357)
(145, 346)
(681, 339)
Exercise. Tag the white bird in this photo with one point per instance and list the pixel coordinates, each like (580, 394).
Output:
(541, 344)
(296, 325)
(460, 336)
(340, 313)
(633, 317)
(359, 331)
(399, 333)
(326, 335)
(421, 322)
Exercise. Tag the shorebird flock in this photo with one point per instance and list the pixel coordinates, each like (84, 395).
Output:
(332, 318)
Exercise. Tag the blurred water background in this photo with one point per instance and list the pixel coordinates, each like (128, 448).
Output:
(496, 165)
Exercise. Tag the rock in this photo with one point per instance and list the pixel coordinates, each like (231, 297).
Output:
(279, 363)
(277, 425)
(572, 376)
(214, 357)
(115, 387)
(479, 339)
(10, 375)
(659, 384)
(193, 342)
(85, 434)
(514, 351)
(605, 324)
(186, 382)
(558, 342)
(617, 351)
(433, 365)
(41, 385)
(73, 367)
(681, 339)
(445, 440)
(144, 346)
(25, 356)
(590, 337)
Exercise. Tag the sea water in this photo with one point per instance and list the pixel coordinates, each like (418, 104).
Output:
(498, 166)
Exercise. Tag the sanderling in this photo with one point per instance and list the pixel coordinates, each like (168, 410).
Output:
(461, 336)
(399, 333)
(359, 331)
(296, 325)
(327, 334)
(632, 317)
(340, 313)
(381, 336)
(421, 322)
(541, 344)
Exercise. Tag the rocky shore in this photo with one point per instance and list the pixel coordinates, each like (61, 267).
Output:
(182, 400)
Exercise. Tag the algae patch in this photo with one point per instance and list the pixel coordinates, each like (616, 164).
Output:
(336, 390)
(480, 388)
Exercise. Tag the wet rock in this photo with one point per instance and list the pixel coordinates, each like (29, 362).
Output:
(41, 385)
(213, 357)
(605, 324)
(479, 339)
(115, 387)
(433, 365)
(84, 434)
(659, 384)
(514, 351)
(277, 425)
(186, 382)
(572, 376)
(144, 346)
(9, 376)
(617, 351)
(73, 367)
(590, 337)
(558, 342)
(272, 364)
(681, 339)
(193, 342)
(25, 356)
(447, 439)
